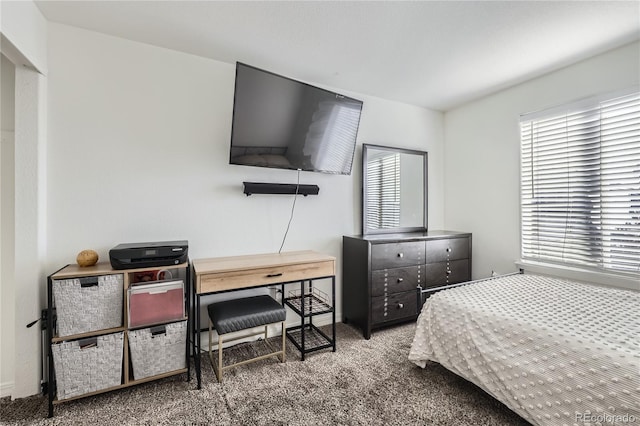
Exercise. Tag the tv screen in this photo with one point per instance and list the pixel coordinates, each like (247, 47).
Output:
(282, 123)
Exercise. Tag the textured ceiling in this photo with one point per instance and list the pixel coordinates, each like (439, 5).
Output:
(435, 54)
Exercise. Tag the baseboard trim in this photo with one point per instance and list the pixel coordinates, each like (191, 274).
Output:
(6, 389)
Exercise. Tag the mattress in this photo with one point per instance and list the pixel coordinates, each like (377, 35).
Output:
(554, 351)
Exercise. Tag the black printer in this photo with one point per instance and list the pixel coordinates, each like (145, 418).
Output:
(148, 255)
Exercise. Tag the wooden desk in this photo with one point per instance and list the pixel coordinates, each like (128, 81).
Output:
(223, 274)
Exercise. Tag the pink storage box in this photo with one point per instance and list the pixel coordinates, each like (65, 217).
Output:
(156, 302)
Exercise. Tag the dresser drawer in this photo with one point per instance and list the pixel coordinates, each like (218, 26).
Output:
(396, 280)
(395, 255)
(437, 274)
(447, 249)
(393, 307)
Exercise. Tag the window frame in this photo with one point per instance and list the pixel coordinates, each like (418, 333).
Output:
(542, 262)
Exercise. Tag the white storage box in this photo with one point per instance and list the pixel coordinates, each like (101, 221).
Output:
(157, 350)
(88, 303)
(157, 302)
(87, 365)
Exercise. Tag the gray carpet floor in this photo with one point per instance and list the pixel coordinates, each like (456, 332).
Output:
(366, 382)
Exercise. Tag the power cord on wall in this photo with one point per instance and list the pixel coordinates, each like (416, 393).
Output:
(293, 207)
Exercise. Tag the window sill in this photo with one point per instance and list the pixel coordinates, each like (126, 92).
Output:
(578, 274)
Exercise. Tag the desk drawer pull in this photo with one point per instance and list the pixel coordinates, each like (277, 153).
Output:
(274, 275)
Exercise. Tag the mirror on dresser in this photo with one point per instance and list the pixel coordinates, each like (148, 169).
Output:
(394, 190)
(396, 263)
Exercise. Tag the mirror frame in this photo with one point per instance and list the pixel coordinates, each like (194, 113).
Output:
(399, 229)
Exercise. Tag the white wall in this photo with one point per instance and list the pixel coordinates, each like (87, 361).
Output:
(139, 146)
(7, 223)
(30, 228)
(7, 91)
(23, 41)
(482, 152)
(24, 28)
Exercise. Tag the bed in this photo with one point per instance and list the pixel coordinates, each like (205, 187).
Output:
(555, 352)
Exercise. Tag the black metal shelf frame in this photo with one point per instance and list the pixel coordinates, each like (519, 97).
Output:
(309, 305)
(307, 337)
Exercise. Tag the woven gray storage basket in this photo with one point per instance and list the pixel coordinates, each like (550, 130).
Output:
(82, 307)
(153, 354)
(89, 369)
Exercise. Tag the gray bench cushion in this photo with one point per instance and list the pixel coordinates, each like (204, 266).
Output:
(238, 314)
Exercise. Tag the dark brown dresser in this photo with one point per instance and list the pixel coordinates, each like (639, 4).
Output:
(383, 274)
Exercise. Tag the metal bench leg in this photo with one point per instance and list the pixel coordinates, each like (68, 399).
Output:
(284, 340)
(219, 358)
(210, 338)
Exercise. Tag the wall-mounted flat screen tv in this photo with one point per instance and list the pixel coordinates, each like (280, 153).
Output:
(283, 123)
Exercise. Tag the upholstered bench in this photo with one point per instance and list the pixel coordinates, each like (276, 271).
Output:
(235, 315)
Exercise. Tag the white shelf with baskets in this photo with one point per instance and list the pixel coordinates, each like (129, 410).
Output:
(94, 347)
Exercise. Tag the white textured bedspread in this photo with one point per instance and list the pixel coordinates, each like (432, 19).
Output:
(556, 352)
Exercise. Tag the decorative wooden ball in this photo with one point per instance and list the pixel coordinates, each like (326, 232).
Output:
(87, 258)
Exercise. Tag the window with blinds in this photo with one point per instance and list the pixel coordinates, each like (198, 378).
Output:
(580, 185)
(383, 191)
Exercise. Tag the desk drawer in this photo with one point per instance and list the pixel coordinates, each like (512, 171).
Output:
(233, 280)
(396, 255)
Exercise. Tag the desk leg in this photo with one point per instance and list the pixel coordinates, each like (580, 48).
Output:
(333, 302)
(310, 292)
(189, 321)
(303, 351)
(51, 378)
(196, 330)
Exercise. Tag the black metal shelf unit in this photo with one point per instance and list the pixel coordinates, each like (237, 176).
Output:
(309, 302)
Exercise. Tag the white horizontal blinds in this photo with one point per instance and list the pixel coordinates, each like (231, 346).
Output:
(580, 185)
(383, 192)
(620, 183)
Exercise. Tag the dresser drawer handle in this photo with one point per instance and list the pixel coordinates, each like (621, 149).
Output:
(400, 305)
(400, 255)
(400, 280)
(274, 275)
(449, 250)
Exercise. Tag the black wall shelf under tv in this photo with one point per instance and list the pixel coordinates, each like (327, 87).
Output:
(279, 188)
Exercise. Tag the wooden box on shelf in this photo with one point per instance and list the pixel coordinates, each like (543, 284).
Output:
(155, 303)
(157, 350)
